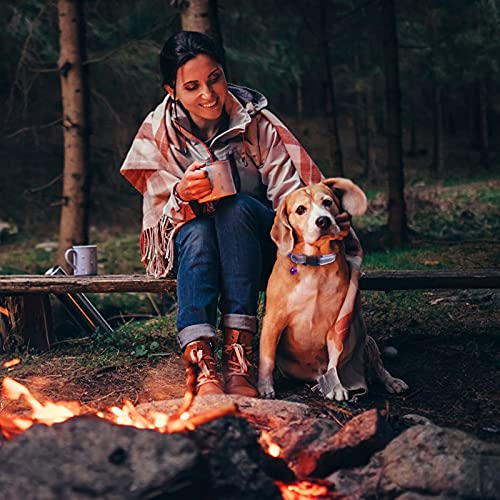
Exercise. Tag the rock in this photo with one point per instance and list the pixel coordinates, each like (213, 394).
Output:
(352, 445)
(7, 229)
(414, 419)
(89, 458)
(266, 412)
(389, 352)
(86, 457)
(239, 467)
(48, 246)
(427, 460)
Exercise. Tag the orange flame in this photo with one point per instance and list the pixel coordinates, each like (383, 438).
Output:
(269, 446)
(302, 490)
(11, 363)
(50, 413)
(4, 311)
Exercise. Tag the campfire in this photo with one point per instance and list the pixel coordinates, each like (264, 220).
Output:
(50, 413)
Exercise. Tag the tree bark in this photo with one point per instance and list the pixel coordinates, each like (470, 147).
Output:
(300, 97)
(370, 134)
(397, 219)
(358, 112)
(413, 128)
(331, 108)
(484, 142)
(202, 16)
(438, 161)
(73, 227)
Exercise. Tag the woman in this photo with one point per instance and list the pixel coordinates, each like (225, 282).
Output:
(220, 251)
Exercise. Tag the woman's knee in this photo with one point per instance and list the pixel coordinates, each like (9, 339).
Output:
(240, 207)
(196, 236)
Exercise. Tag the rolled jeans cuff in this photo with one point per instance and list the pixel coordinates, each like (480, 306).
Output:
(204, 331)
(240, 322)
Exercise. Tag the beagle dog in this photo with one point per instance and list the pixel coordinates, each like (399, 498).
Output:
(304, 332)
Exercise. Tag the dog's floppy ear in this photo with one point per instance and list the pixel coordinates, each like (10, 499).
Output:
(282, 232)
(352, 198)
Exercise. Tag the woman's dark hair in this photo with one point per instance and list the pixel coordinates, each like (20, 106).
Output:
(182, 47)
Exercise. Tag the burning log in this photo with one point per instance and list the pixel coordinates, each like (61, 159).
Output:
(351, 446)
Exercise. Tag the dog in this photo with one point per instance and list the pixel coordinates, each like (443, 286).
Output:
(310, 289)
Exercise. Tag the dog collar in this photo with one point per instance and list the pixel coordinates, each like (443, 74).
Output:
(311, 260)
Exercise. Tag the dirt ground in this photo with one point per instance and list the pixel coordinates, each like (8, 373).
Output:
(452, 367)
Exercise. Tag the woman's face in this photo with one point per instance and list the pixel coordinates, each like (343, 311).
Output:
(201, 87)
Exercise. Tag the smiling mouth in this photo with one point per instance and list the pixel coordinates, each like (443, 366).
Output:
(210, 104)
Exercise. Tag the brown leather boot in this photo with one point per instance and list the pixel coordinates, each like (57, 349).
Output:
(199, 354)
(237, 363)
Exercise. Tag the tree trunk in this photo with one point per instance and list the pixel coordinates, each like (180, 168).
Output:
(300, 97)
(470, 100)
(413, 129)
(202, 16)
(370, 133)
(358, 112)
(397, 221)
(484, 143)
(438, 161)
(73, 227)
(331, 108)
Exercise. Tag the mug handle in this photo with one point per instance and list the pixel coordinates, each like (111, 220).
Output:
(69, 259)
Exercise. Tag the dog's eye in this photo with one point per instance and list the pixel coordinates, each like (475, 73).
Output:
(327, 203)
(300, 209)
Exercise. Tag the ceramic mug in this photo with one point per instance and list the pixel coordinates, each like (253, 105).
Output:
(82, 259)
(221, 179)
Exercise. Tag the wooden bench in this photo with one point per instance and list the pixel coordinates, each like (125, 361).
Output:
(27, 295)
(371, 280)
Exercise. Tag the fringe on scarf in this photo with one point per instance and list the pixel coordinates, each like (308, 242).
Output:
(157, 247)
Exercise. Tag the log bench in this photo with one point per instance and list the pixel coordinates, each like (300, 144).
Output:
(27, 295)
(370, 280)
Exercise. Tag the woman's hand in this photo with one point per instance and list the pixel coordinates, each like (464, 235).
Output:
(195, 184)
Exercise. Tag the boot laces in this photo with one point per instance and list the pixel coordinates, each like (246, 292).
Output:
(238, 366)
(203, 361)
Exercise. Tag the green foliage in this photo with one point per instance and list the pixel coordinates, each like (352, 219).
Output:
(137, 339)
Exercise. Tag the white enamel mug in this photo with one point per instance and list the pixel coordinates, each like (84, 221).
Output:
(82, 259)
(221, 179)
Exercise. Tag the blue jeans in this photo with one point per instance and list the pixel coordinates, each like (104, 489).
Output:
(223, 261)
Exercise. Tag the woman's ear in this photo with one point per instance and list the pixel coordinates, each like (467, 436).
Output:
(353, 199)
(169, 89)
(282, 232)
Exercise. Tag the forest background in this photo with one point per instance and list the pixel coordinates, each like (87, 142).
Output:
(329, 71)
(321, 64)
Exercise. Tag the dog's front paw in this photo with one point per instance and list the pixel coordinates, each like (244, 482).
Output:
(266, 390)
(395, 385)
(339, 393)
(331, 387)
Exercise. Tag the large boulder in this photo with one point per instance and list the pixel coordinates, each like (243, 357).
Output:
(90, 458)
(427, 461)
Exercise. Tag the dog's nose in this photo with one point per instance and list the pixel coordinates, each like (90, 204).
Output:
(323, 222)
